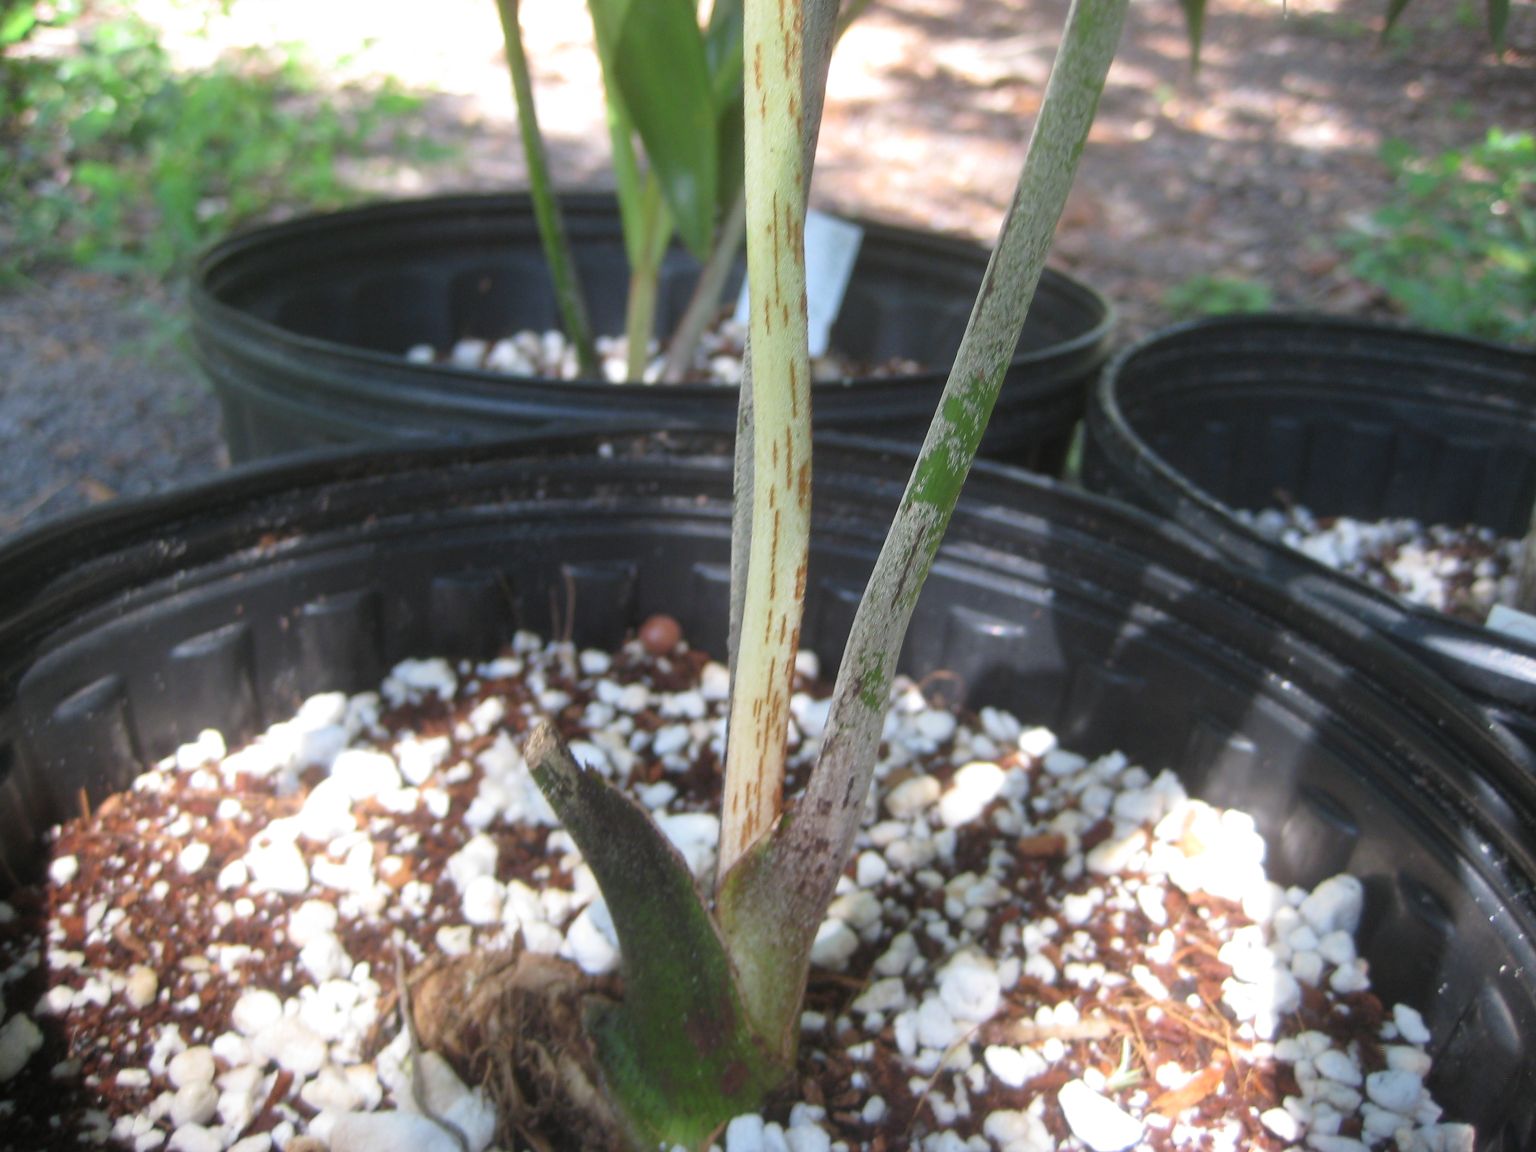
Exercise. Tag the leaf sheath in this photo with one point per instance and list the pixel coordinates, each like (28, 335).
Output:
(676, 1052)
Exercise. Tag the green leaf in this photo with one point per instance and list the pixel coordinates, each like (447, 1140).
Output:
(570, 297)
(723, 51)
(176, 193)
(1194, 24)
(732, 155)
(665, 80)
(101, 177)
(1498, 21)
(677, 1052)
(607, 25)
(17, 23)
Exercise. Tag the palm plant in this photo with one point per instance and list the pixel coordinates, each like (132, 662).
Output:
(713, 987)
(713, 983)
(673, 96)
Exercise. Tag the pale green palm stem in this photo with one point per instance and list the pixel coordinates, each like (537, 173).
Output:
(570, 299)
(772, 903)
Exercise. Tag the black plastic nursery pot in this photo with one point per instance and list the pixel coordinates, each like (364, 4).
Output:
(127, 631)
(1348, 419)
(303, 329)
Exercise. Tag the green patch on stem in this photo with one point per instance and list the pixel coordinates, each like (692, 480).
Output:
(874, 683)
(677, 1052)
(946, 461)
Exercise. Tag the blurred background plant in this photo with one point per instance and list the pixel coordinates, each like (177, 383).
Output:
(119, 158)
(672, 88)
(1454, 245)
(1210, 295)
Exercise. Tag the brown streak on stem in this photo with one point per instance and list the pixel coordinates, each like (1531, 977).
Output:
(773, 571)
(773, 218)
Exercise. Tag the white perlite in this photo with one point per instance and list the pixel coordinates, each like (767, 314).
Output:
(20, 1038)
(548, 354)
(942, 981)
(1444, 567)
(1097, 1121)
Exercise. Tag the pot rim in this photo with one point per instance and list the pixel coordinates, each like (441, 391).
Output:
(216, 259)
(48, 572)
(1495, 662)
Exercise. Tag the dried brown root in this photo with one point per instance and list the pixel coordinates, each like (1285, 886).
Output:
(512, 1023)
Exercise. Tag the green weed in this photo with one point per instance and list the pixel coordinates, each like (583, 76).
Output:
(1217, 296)
(121, 162)
(1454, 247)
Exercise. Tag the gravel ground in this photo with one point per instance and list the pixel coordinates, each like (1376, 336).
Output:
(1244, 169)
(98, 400)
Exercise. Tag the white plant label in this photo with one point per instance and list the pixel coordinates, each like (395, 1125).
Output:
(1520, 625)
(831, 247)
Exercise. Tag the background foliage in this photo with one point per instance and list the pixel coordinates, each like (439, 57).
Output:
(1455, 245)
(119, 159)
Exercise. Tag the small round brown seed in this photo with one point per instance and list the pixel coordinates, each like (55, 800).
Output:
(660, 634)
